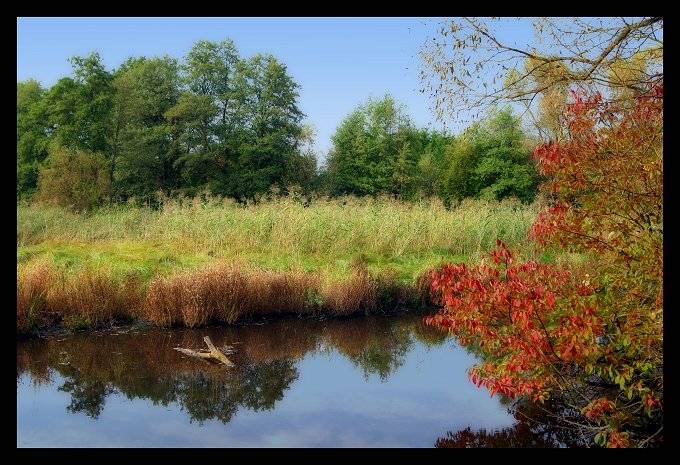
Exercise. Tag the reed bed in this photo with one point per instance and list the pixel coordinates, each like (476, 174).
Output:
(284, 226)
(214, 294)
(206, 260)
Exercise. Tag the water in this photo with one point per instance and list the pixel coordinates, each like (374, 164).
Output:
(374, 381)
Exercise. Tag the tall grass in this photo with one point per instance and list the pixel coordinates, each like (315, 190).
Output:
(206, 260)
(87, 298)
(33, 282)
(221, 293)
(217, 293)
(224, 229)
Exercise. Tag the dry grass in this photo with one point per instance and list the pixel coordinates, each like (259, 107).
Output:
(217, 293)
(90, 297)
(220, 293)
(355, 294)
(33, 281)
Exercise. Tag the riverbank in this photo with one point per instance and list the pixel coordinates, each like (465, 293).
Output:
(195, 262)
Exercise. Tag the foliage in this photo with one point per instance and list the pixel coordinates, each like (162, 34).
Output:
(32, 142)
(470, 67)
(594, 343)
(80, 107)
(214, 122)
(490, 162)
(374, 151)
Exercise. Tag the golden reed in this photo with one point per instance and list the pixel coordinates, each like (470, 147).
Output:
(215, 294)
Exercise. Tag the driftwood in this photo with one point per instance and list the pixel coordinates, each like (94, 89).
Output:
(213, 355)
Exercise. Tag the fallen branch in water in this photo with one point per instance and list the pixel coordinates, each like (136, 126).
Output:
(213, 355)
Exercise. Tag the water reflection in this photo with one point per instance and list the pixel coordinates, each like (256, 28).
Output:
(294, 383)
(143, 364)
(536, 426)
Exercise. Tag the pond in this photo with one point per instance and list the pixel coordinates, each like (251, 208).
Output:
(298, 382)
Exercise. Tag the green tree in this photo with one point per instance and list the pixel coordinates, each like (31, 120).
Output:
(209, 71)
(204, 120)
(80, 110)
(432, 163)
(492, 162)
(269, 122)
(80, 107)
(145, 90)
(32, 135)
(236, 128)
(375, 150)
(301, 169)
(189, 125)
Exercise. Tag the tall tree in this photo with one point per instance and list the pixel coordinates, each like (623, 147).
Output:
(269, 119)
(32, 135)
(374, 147)
(207, 113)
(80, 110)
(80, 107)
(145, 90)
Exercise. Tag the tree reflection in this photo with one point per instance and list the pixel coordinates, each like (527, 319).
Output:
(376, 345)
(87, 396)
(144, 365)
(536, 427)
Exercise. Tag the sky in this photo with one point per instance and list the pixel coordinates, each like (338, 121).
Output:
(338, 62)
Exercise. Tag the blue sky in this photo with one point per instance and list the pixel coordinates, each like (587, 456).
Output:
(339, 62)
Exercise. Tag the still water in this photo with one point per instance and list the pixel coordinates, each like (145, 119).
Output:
(360, 382)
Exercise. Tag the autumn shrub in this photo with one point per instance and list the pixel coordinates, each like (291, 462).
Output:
(592, 342)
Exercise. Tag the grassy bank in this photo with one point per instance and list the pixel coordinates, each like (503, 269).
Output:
(199, 261)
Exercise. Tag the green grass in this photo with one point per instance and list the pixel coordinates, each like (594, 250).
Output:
(327, 237)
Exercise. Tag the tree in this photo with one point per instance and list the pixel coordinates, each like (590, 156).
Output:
(189, 126)
(204, 120)
(491, 162)
(80, 110)
(145, 90)
(470, 67)
(237, 126)
(209, 71)
(80, 107)
(432, 163)
(301, 168)
(269, 122)
(32, 135)
(373, 147)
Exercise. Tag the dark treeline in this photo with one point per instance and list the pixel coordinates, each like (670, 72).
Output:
(231, 126)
